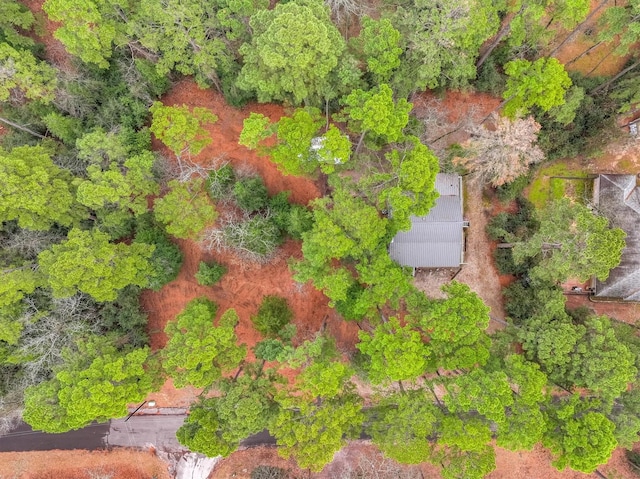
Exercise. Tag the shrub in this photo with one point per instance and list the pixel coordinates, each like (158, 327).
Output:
(490, 79)
(273, 315)
(290, 218)
(210, 273)
(633, 458)
(251, 194)
(299, 220)
(518, 226)
(511, 191)
(271, 349)
(256, 237)
(220, 182)
(125, 317)
(166, 259)
(269, 472)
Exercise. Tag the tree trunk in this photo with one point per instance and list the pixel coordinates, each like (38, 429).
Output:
(22, 128)
(579, 27)
(360, 141)
(612, 80)
(599, 63)
(506, 27)
(586, 52)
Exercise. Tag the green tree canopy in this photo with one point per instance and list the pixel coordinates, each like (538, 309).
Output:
(33, 190)
(376, 111)
(293, 50)
(193, 37)
(402, 425)
(185, 210)
(317, 413)
(215, 426)
(441, 41)
(25, 76)
(181, 128)
(455, 327)
(573, 241)
(578, 438)
(89, 27)
(586, 354)
(15, 19)
(123, 188)
(396, 353)
(198, 352)
(379, 43)
(405, 185)
(542, 84)
(300, 148)
(88, 262)
(95, 384)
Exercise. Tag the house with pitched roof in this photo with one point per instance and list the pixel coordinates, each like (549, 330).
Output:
(437, 239)
(617, 197)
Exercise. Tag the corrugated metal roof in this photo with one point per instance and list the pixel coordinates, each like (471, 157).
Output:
(431, 255)
(435, 240)
(619, 201)
(448, 184)
(447, 208)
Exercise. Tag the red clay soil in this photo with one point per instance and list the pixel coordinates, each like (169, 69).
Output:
(226, 132)
(535, 464)
(55, 51)
(117, 464)
(611, 65)
(245, 284)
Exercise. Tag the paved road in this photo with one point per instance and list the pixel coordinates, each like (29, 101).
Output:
(25, 439)
(139, 431)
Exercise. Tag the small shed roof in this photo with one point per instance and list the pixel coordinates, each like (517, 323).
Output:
(618, 198)
(435, 240)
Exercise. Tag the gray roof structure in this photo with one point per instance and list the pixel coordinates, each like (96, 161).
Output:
(437, 239)
(618, 198)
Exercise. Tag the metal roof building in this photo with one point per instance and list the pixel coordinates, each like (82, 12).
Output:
(618, 198)
(437, 239)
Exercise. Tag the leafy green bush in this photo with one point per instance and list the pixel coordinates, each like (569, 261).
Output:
(490, 78)
(592, 127)
(125, 317)
(220, 182)
(513, 227)
(256, 237)
(290, 218)
(273, 315)
(251, 194)
(510, 191)
(210, 273)
(166, 259)
(505, 264)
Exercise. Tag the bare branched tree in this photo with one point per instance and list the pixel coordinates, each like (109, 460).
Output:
(254, 238)
(502, 154)
(440, 130)
(46, 334)
(11, 405)
(28, 243)
(376, 466)
(342, 10)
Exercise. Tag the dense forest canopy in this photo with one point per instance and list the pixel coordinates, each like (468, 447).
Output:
(91, 215)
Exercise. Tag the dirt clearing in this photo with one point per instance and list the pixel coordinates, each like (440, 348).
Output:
(79, 464)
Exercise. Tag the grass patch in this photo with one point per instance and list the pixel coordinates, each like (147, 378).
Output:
(549, 184)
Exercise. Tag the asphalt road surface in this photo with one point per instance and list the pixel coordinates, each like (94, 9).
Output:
(25, 439)
(139, 431)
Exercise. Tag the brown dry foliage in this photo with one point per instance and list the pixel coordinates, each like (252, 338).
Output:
(502, 154)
